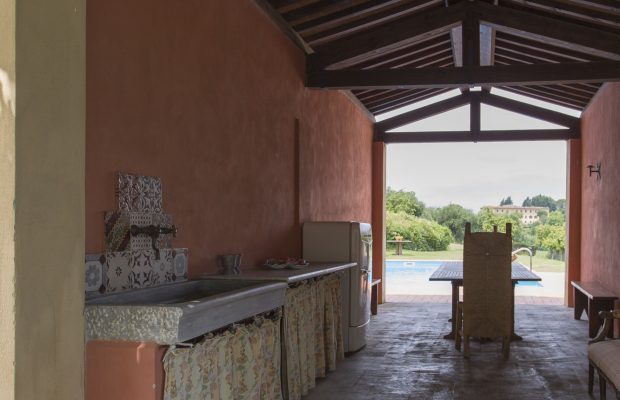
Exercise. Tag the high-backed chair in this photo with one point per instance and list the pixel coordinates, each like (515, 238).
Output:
(604, 357)
(486, 310)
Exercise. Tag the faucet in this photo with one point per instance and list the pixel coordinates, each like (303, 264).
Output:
(153, 231)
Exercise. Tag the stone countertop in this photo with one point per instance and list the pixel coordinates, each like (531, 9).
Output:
(285, 275)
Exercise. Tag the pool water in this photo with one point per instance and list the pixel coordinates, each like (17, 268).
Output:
(411, 277)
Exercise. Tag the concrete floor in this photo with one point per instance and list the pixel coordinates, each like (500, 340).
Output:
(406, 358)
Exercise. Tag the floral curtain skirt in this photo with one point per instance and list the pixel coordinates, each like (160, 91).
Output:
(312, 334)
(244, 362)
(241, 363)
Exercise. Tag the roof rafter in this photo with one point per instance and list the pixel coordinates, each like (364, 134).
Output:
(382, 39)
(523, 74)
(569, 35)
(475, 134)
(483, 136)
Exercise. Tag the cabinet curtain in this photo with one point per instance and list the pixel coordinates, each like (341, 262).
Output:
(242, 363)
(312, 333)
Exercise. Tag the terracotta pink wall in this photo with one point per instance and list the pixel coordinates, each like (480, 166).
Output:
(600, 217)
(209, 96)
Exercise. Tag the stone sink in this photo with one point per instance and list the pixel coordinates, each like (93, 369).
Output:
(177, 312)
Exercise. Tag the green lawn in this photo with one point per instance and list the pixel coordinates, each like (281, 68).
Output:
(540, 262)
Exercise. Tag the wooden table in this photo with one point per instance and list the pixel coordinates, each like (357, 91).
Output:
(399, 245)
(452, 271)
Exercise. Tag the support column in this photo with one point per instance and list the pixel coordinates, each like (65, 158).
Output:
(573, 218)
(42, 146)
(7, 196)
(378, 216)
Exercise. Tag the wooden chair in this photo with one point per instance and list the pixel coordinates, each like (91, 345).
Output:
(486, 310)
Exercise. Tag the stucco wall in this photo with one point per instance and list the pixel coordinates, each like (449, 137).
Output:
(209, 96)
(49, 199)
(600, 217)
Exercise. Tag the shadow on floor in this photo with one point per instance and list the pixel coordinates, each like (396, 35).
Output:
(406, 358)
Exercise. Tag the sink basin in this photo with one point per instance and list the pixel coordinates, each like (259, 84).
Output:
(177, 312)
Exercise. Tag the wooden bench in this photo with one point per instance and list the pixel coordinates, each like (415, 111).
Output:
(374, 295)
(592, 298)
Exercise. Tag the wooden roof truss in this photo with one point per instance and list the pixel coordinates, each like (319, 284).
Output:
(393, 53)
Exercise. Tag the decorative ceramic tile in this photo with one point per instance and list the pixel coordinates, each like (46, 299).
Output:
(143, 274)
(139, 193)
(165, 221)
(119, 269)
(94, 273)
(152, 194)
(118, 225)
(124, 194)
(180, 263)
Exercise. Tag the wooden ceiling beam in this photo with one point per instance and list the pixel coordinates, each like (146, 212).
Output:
(531, 45)
(332, 30)
(417, 50)
(400, 98)
(424, 112)
(315, 23)
(483, 136)
(571, 10)
(550, 30)
(454, 77)
(415, 98)
(386, 38)
(283, 25)
(529, 110)
(549, 99)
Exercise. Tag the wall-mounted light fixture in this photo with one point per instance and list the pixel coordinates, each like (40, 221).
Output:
(595, 169)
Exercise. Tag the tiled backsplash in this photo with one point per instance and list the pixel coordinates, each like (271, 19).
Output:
(118, 224)
(129, 261)
(139, 193)
(117, 271)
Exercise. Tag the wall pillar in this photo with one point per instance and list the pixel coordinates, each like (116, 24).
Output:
(378, 216)
(573, 217)
(42, 136)
(7, 196)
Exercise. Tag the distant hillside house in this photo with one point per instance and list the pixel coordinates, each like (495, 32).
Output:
(529, 215)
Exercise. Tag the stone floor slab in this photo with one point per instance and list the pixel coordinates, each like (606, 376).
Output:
(407, 358)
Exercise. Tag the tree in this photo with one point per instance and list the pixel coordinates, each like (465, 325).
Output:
(424, 235)
(527, 202)
(555, 218)
(506, 202)
(403, 201)
(454, 217)
(544, 201)
(521, 236)
(561, 205)
(552, 238)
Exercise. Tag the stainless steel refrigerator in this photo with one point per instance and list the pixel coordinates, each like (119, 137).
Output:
(345, 242)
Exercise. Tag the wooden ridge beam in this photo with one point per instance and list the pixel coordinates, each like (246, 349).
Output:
(529, 110)
(483, 136)
(446, 77)
(550, 30)
(424, 112)
(385, 38)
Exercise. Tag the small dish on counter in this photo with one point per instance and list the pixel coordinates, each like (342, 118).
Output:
(291, 263)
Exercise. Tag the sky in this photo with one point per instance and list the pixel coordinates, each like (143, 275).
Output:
(478, 174)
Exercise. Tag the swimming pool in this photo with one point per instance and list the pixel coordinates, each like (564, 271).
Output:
(411, 277)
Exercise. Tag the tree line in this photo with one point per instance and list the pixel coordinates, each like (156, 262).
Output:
(434, 228)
